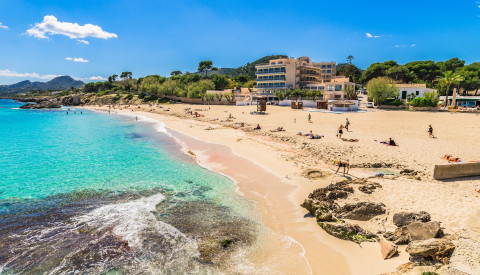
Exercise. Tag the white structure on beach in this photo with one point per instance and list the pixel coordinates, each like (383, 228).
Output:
(418, 90)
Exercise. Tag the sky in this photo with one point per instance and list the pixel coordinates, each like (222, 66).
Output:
(90, 40)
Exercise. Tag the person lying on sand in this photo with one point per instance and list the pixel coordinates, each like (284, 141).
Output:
(300, 133)
(344, 164)
(279, 129)
(350, 139)
(239, 125)
(316, 136)
(309, 134)
(389, 142)
(258, 127)
(450, 158)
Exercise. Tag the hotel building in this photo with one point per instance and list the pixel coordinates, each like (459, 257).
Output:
(300, 73)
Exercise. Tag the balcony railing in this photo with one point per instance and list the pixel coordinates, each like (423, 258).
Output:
(275, 79)
(273, 72)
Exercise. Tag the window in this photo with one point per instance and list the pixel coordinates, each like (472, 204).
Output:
(329, 66)
(330, 88)
(338, 87)
(417, 93)
(321, 88)
(280, 62)
(323, 66)
(273, 63)
(329, 71)
(314, 88)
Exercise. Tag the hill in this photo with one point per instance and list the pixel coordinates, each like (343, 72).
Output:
(58, 83)
(249, 68)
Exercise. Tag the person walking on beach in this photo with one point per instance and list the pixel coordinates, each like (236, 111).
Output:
(136, 118)
(309, 118)
(430, 131)
(347, 123)
(340, 131)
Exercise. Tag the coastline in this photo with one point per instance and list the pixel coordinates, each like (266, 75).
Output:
(278, 197)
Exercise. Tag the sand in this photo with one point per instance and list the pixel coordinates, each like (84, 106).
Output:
(271, 173)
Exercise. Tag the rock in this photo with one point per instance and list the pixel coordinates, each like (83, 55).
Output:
(346, 231)
(377, 165)
(414, 232)
(362, 211)
(388, 249)
(436, 250)
(42, 105)
(405, 218)
(369, 187)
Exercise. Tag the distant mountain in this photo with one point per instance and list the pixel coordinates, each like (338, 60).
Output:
(58, 83)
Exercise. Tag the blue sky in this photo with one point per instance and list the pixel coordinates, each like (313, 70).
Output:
(157, 37)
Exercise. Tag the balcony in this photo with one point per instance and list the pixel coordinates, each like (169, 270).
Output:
(270, 72)
(274, 79)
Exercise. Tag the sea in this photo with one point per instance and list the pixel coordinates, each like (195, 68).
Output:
(86, 192)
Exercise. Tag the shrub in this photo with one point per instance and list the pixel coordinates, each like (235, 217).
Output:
(393, 102)
(129, 97)
(163, 100)
(102, 93)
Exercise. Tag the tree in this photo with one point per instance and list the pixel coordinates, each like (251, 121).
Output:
(112, 78)
(219, 96)
(232, 84)
(205, 66)
(351, 71)
(448, 79)
(126, 75)
(453, 64)
(377, 70)
(176, 73)
(349, 59)
(220, 81)
(350, 92)
(424, 71)
(381, 88)
(400, 73)
(199, 89)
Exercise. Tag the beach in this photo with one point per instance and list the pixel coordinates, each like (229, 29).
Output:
(286, 156)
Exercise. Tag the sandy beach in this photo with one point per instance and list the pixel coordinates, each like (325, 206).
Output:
(270, 167)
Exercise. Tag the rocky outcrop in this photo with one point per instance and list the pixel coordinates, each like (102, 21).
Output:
(387, 249)
(362, 211)
(369, 187)
(346, 231)
(406, 218)
(72, 100)
(42, 105)
(430, 250)
(414, 232)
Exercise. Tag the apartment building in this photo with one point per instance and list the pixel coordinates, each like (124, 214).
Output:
(291, 73)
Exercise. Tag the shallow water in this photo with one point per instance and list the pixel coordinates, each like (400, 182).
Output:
(94, 193)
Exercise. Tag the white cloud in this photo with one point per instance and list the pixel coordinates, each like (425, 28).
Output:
(413, 45)
(83, 41)
(51, 26)
(97, 78)
(77, 59)
(396, 46)
(9, 73)
(369, 35)
(3, 26)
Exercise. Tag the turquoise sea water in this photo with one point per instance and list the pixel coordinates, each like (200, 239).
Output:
(84, 184)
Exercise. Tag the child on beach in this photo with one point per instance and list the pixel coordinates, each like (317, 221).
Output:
(347, 123)
(430, 131)
(309, 118)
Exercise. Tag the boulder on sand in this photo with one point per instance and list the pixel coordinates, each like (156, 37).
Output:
(346, 231)
(362, 211)
(406, 218)
(388, 249)
(414, 232)
(436, 250)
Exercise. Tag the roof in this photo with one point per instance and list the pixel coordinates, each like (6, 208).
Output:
(412, 85)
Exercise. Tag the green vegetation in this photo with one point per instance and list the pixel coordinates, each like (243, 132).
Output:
(428, 100)
(382, 88)
(226, 243)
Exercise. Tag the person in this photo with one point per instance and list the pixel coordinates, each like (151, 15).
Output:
(345, 165)
(258, 127)
(430, 131)
(309, 118)
(294, 120)
(391, 142)
(347, 123)
(340, 131)
(136, 118)
(81, 112)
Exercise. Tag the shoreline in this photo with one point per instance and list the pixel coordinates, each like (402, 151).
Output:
(324, 253)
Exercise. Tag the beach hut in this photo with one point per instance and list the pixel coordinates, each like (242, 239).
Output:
(261, 104)
(322, 104)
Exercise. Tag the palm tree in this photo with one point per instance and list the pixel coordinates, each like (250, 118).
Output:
(448, 79)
